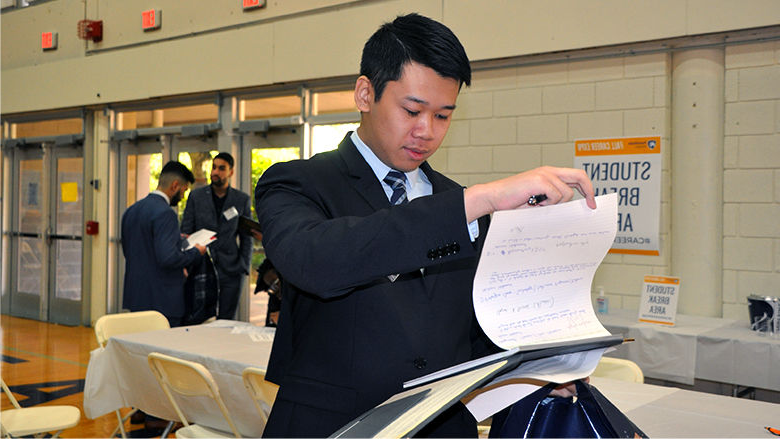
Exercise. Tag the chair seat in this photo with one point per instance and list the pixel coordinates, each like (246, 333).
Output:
(199, 431)
(32, 420)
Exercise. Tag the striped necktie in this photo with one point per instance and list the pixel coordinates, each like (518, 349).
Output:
(396, 180)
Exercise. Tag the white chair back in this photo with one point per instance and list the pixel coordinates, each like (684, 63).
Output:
(263, 392)
(619, 369)
(110, 325)
(188, 378)
(127, 323)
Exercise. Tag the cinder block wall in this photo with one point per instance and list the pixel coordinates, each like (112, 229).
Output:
(514, 119)
(751, 183)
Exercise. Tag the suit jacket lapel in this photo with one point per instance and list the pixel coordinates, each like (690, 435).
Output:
(363, 178)
(229, 199)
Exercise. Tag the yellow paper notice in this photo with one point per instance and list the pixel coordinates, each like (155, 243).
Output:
(70, 192)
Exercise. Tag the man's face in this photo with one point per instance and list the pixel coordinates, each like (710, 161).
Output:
(220, 173)
(179, 195)
(410, 120)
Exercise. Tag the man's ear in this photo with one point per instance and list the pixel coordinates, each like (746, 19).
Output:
(364, 94)
(175, 186)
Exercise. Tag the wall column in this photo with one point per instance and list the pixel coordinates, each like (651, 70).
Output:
(96, 208)
(697, 179)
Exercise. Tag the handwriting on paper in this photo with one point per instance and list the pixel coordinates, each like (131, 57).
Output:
(537, 265)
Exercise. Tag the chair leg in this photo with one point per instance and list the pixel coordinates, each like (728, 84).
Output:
(120, 425)
(167, 430)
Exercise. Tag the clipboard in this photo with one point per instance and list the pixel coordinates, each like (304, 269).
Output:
(246, 224)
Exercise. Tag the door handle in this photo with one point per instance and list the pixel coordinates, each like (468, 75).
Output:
(24, 234)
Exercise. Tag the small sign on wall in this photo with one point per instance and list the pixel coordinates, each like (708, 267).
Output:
(659, 300)
(631, 167)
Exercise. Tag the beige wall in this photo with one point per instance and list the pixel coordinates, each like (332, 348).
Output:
(751, 181)
(212, 45)
(511, 119)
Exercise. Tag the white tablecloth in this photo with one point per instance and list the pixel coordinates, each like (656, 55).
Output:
(698, 347)
(119, 375)
(672, 412)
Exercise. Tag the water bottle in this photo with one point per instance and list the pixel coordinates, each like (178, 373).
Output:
(602, 302)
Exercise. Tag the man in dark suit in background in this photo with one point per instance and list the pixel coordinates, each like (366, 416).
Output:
(152, 245)
(217, 207)
(377, 289)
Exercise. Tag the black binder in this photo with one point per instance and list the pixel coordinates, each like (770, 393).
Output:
(405, 413)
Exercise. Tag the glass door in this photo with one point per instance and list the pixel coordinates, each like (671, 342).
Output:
(46, 248)
(140, 162)
(265, 149)
(27, 243)
(64, 238)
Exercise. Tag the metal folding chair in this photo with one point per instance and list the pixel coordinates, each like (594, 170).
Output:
(28, 421)
(189, 378)
(127, 323)
(263, 392)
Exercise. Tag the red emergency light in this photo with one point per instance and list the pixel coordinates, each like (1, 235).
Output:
(151, 19)
(252, 4)
(48, 40)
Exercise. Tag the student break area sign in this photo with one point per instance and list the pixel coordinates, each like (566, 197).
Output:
(631, 167)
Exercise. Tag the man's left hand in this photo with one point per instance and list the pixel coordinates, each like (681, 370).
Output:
(568, 389)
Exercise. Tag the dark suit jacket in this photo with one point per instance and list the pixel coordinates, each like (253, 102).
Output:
(348, 337)
(230, 256)
(154, 260)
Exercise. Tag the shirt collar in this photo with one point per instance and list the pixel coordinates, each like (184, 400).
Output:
(380, 169)
(162, 194)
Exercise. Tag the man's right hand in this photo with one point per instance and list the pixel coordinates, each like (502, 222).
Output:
(558, 184)
(201, 248)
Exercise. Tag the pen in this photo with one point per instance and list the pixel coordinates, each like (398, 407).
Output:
(774, 431)
(533, 200)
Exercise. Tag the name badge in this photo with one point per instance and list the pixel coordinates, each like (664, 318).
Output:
(230, 213)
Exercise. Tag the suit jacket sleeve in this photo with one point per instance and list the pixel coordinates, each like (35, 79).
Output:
(318, 250)
(167, 242)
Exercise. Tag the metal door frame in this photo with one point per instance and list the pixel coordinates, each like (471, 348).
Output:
(169, 141)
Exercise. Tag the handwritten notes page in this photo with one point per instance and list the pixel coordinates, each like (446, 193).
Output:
(533, 281)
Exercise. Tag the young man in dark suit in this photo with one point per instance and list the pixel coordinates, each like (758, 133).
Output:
(376, 288)
(152, 245)
(217, 207)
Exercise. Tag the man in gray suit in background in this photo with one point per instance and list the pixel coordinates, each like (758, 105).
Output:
(217, 207)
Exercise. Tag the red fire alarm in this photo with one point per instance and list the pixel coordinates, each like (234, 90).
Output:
(252, 4)
(151, 19)
(93, 227)
(48, 40)
(91, 30)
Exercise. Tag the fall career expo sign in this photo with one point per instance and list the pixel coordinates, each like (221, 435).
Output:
(630, 166)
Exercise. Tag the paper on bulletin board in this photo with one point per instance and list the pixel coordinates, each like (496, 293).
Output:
(69, 192)
(659, 300)
(631, 167)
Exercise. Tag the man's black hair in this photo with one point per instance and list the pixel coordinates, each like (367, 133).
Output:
(226, 157)
(415, 38)
(179, 170)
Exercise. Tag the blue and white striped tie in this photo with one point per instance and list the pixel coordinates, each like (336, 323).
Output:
(396, 180)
